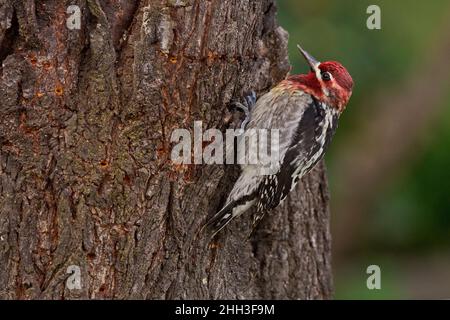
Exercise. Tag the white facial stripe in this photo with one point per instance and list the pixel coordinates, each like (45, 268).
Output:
(317, 70)
(319, 77)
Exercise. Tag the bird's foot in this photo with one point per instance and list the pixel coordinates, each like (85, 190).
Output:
(246, 108)
(250, 100)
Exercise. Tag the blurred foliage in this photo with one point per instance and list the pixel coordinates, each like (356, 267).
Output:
(417, 205)
(412, 213)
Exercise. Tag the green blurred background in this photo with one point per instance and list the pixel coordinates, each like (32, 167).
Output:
(389, 163)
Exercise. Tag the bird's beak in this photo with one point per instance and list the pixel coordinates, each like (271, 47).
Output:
(313, 63)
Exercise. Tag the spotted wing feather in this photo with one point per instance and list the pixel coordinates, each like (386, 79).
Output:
(295, 114)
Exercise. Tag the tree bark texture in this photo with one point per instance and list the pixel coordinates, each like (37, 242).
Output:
(85, 123)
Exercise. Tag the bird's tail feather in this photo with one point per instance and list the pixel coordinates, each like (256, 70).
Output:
(220, 219)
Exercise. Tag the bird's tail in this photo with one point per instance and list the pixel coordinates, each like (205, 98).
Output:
(220, 219)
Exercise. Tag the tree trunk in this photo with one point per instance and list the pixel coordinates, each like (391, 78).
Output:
(86, 182)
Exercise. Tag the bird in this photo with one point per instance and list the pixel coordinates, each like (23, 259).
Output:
(305, 110)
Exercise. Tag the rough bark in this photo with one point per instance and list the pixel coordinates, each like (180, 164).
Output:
(85, 123)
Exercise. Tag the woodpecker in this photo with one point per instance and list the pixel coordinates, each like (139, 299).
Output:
(305, 109)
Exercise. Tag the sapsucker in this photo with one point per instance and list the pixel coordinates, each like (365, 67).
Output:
(305, 109)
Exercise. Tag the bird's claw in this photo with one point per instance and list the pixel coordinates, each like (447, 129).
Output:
(245, 107)
(250, 100)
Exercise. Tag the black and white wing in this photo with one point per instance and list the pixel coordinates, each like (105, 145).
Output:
(287, 108)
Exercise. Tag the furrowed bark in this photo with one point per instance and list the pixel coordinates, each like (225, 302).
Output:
(85, 123)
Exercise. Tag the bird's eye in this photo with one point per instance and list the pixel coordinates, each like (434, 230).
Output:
(326, 76)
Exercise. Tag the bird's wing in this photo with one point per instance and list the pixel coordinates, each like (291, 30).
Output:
(287, 107)
(310, 139)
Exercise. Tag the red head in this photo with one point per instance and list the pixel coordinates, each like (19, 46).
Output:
(328, 82)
